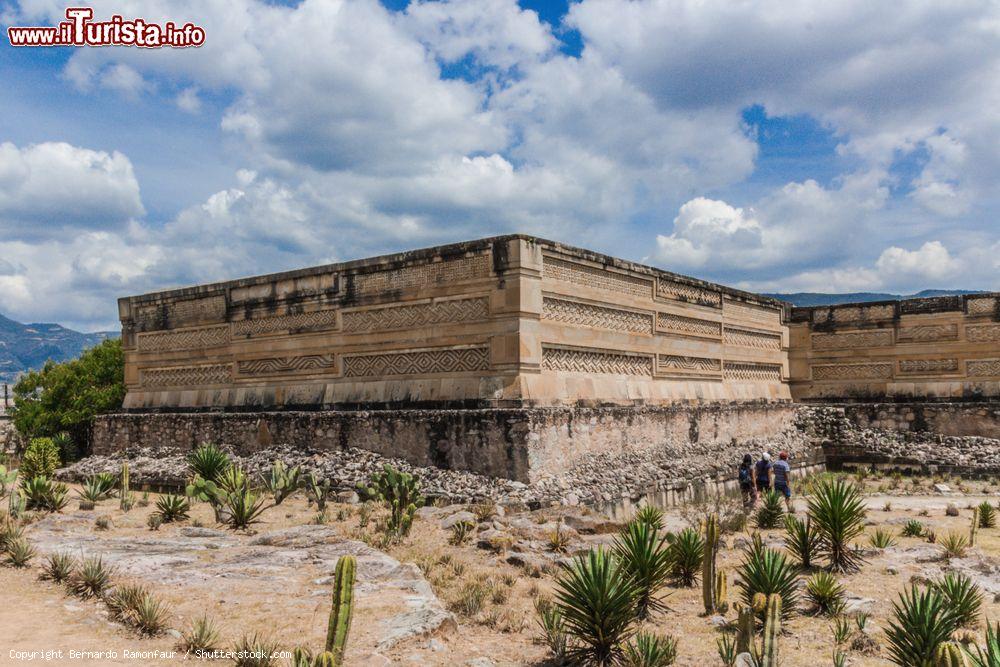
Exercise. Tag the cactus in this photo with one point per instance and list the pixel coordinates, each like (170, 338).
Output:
(759, 602)
(949, 654)
(974, 528)
(343, 606)
(721, 592)
(125, 497)
(708, 578)
(772, 628)
(304, 658)
(744, 629)
(400, 491)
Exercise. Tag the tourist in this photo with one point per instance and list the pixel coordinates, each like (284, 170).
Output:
(748, 485)
(781, 472)
(762, 473)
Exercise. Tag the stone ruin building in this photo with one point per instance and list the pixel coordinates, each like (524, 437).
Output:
(521, 358)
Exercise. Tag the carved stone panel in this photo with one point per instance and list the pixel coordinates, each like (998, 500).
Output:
(307, 363)
(418, 362)
(183, 339)
(983, 368)
(416, 315)
(670, 289)
(928, 333)
(753, 313)
(749, 371)
(186, 376)
(854, 313)
(982, 306)
(759, 340)
(184, 312)
(843, 341)
(295, 322)
(421, 275)
(596, 317)
(690, 366)
(595, 361)
(870, 371)
(594, 277)
(928, 366)
(983, 333)
(687, 326)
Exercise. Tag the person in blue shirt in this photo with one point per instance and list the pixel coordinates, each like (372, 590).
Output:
(781, 473)
(762, 473)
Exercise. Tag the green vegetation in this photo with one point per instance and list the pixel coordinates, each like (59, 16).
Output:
(687, 549)
(802, 540)
(825, 593)
(922, 621)
(282, 482)
(645, 558)
(40, 459)
(963, 597)
(400, 492)
(42, 494)
(767, 572)
(913, 528)
(648, 649)
(772, 508)
(208, 462)
(172, 508)
(837, 509)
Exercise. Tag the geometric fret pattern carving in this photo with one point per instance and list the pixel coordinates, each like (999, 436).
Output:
(178, 313)
(679, 291)
(749, 371)
(687, 325)
(597, 317)
(187, 376)
(928, 333)
(753, 313)
(986, 333)
(689, 365)
(928, 365)
(593, 361)
(275, 365)
(324, 319)
(185, 339)
(418, 362)
(854, 313)
(760, 340)
(872, 371)
(840, 341)
(983, 368)
(407, 317)
(982, 306)
(434, 273)
(590, 276)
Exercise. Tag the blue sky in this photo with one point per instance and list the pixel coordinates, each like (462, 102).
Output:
(767, 145)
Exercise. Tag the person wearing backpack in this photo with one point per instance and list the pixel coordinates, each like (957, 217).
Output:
(747, 476)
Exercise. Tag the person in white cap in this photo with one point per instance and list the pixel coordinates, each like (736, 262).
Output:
(764, 473)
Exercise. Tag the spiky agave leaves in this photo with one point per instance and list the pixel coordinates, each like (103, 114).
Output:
(838, 511)
(172, 508)
(802, 540)
(922, 621)
(596, 598)
(825, 593)
(962, 596)
(687, 548)
(648, 649)
(987, 515)
(646, 557)
(767, 571)
(771, 510)
(208, 462)
(988, 655)
(651, 515)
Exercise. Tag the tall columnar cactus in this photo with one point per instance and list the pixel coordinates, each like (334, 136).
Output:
(772, 628)
(950, 654)
(708, 578)
(125, 494)
(343, 606)
(744, 629)
(974, 527)
(759, 602)
(721, 592)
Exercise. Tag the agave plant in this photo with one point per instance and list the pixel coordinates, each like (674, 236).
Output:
(772, 508)
(208, 462)
(687, 548)
(963, 596)
(243, 509)
(317, 490)
(92, 578)
(202, 635)
(19, 553)
(988, 656)
(40, 493)
(987, 515)
(96, 488)
(922, 620)
(596, 599)
(7, 480)
(550, 621)
(647, 649)
(650, 515)
(646, 558)
(801, 540)
(58, 567)
(768, 571)
(825, 593)
(913, 528)
(955, 545)
(881, 538)
(838, 511)
(172, 508)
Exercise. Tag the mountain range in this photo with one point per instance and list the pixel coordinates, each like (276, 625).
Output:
(26, 347)
(822, 299)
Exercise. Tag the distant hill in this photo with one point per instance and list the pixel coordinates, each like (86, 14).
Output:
(821, 299)
(25, 347)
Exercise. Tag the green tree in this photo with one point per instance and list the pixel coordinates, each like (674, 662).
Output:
(65, 397)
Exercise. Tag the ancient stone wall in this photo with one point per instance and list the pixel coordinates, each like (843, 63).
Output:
(499, 322)
(943, 348)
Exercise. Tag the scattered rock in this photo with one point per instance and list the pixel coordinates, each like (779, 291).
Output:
(855, 604)
(952, 509)
(458, 517)
(942, 488)
(892, 569)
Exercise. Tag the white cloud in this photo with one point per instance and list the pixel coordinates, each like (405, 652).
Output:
(188, 100)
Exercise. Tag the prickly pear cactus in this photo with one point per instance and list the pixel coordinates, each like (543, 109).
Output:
(400, 491)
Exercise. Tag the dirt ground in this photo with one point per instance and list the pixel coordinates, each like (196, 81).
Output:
(291, 607)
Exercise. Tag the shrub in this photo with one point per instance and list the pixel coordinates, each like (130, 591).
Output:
(838, 511)
(92, 578)
(881, 539)
(651, 516)
(58, 567)
(19, 553)
(154, 521)
(921, 622)
(255, 650)
(484, 511)
(841, 629)
(400, 492)
(825, 593)
(282, 482)
(801, 540)
(646, 558)
(987, 515)
(989, 656)
(42, 494)
(687, 548)
(767, 571)
(772, 508)
(647, 649)
(150, 616)
(40, 459)
(461, 531)
(596, 600)
(558, 539)
(962, 596)
(913, 528)
(201, 635)
(553, 629)
(96, 489)
(470, 599)
(955, 545)
(208, 462)
(317, 490)
(172, 508)
(243, 508)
